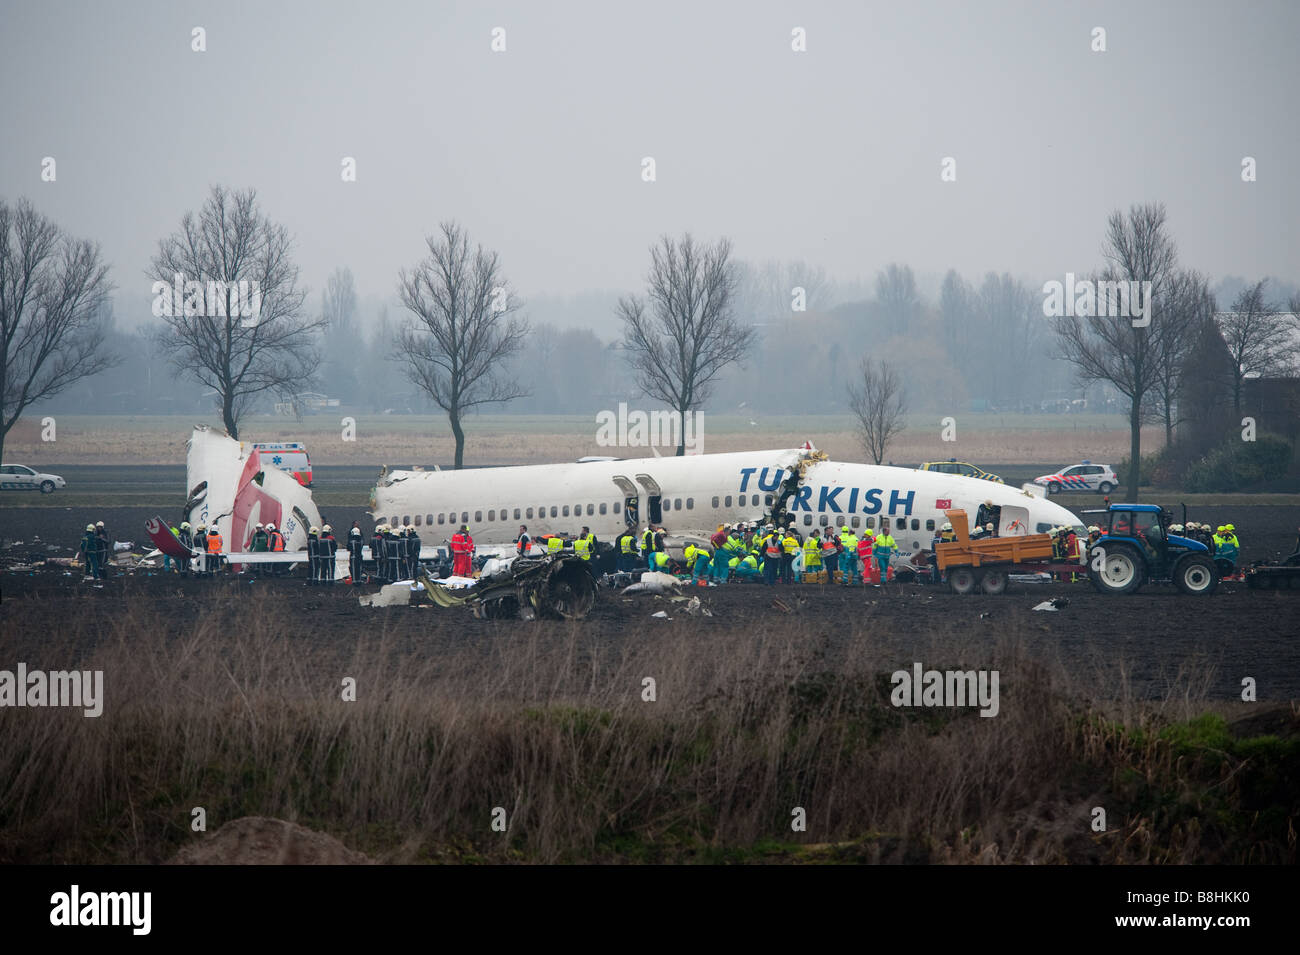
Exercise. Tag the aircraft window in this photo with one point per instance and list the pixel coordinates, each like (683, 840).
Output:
(916, 524)
(492, 515)
(616, 506)
(767, 499)
(478, 517)
(728, 500)
(667, 504)
(715, 502)
(916, 545)
(807, 520)
(1041, 528)
(555, 509)
(406, 519)
(528, 513)
(577, 510)
(677, 504)
(417, 520)
(603, 507)
(591, 509)
(824, 520)
(901, 524)
(929, 524)
(464, 517)
(566, 510)
(517, 514)
(440, 518)
(856, 521)
(871, 522)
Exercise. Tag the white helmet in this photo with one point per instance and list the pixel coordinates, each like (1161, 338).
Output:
(90, 527)
(988, 526)
(327, 529)
(270, 527)
(259, 526)
(947, 526)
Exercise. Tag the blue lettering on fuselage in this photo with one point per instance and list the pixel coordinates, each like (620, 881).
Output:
(801, 499)
(763, 484)
(873, 504)
(826, 499)
(895, 499)
(744, 478)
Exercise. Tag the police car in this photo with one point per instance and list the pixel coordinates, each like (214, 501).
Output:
(953, 466)
(1082, 477)
(19, 477)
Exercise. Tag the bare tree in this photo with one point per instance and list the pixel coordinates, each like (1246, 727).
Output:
(876, 400)
(455, 346)
(1256, 334)
(227, 292)
(52, 324)
(1109, 348)
(686, 333)
(1186, 306)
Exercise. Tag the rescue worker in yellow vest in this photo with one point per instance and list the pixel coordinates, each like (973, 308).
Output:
(697, 559)
(648, 546)
(812, 553)
(884, 548)
(582, 544)
(745, 568)
(849, 558)
(627, 552)
(789, 547)
(659, 561)
(554, 544)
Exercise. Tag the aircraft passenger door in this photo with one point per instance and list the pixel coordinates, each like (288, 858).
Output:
(654, 509)
(631, 500)
(1015, 521)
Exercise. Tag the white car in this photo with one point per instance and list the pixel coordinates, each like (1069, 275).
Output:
(1082, 477)
(19, 477)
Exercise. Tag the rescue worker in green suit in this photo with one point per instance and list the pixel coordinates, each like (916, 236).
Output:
(885, 547)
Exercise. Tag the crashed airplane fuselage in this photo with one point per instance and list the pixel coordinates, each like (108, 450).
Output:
(691, 495)
(229, 488)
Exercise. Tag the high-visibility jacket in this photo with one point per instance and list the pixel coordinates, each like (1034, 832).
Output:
(1071, 546)
(523, 544)
(648, 541)
(750, 562)
(773, 546)
(554, 544)
(214, 543)
(690, 554)
(277, 541)
(790, 543)
(627, 544)
(885, 544)
(849, 541)
(812, 553)
(461, 544)
(582, 547)
(865, 545)
(661, 560)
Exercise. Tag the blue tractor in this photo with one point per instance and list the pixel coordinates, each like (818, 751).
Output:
(1135, 547)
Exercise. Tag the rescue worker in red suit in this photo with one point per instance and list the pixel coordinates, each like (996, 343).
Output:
(462, 552)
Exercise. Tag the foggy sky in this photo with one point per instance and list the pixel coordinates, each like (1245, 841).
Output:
(831, 156)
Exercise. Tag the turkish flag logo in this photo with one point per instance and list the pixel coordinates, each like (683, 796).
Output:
(943, 503)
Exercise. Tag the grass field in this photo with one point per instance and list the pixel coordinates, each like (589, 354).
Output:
(538, 439)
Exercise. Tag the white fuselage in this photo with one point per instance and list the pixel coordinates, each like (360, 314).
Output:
(695, 494)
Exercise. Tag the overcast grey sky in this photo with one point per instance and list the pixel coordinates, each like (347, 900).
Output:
(830, 155)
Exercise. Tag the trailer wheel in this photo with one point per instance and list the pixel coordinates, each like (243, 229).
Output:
(1121, 570)
(994, 582)
(962, 580)
(1195, 574)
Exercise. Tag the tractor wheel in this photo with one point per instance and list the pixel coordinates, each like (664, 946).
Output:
(1196, 574)
(994, 582)
(1122, 570)
(962, 580)
(1053, 488)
